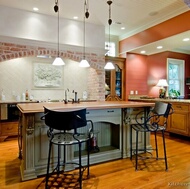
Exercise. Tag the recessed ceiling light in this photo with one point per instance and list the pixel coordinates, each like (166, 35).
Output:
(159, 47)
(186, 39)
(143, 52)
(117, 23)
(75, 17)
(36, 9)
(122, 28)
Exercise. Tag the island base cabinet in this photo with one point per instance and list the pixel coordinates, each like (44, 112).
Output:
(178, 122)
(34, 142)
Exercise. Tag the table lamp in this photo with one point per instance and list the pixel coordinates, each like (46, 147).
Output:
(162, 83)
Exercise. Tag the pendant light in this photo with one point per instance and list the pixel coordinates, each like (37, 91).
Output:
(109, 65)
(58, 60)
(84, 62)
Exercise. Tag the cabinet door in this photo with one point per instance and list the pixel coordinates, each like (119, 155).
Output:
(179, 120)
(9, 128)
(114, 80)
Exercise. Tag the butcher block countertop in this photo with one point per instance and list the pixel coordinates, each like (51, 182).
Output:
(39, 107)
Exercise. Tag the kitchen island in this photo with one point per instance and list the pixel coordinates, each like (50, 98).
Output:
(110, 119)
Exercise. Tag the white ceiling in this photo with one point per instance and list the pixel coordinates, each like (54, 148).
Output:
(134, 15)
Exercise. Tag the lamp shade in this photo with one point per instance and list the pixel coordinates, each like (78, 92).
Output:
(84, 63)
(58, 62)
(162, 83)
(109, 66)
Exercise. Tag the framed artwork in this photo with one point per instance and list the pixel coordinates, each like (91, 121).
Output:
(47, 76)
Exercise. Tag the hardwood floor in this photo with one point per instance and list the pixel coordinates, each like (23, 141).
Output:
(119, 174)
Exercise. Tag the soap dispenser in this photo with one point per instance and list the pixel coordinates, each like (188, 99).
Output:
(23, 97)
(2, 95)
(26, 95)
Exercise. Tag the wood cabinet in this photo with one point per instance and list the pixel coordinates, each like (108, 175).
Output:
(8, 121)
(115, 79)
(179, 120)
(8, 129)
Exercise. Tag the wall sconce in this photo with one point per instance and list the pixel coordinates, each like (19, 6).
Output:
(162, 83)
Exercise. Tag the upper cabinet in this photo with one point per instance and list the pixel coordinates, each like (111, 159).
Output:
(115, 79)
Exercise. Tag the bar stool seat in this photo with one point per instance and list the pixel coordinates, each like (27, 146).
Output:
(64, 131)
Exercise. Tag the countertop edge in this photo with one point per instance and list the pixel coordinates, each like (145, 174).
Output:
(39, 107)
(160, 99)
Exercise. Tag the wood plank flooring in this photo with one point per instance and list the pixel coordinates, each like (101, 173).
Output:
(119, 174)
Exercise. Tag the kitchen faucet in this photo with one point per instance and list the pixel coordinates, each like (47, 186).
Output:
(75, 100)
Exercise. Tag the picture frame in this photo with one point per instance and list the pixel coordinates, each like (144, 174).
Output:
(46, 75)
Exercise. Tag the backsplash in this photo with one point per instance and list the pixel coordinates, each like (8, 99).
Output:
(17, 74)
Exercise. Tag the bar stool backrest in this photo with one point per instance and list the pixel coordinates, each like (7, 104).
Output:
(162, 109)
(65, 120)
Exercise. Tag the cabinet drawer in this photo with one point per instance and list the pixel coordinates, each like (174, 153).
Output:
(104, 113)
(180, 107)
(107, 115)
(9, 128)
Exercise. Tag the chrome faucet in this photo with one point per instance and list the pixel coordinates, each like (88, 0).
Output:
(75, 100)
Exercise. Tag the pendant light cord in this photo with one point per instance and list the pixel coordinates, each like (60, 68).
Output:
(58, 30)
(86, 15)
(109, 22)
(84, 32)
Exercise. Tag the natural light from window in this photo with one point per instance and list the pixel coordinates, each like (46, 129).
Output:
(175, 77)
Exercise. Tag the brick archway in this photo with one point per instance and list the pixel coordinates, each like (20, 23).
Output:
(96, 80)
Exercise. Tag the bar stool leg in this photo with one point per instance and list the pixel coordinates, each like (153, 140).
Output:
(58, 159)
(136, 156)
(156, 144)
(131, 142)
(165, 155)
(80, 167)
(88, 157)
(48, 164)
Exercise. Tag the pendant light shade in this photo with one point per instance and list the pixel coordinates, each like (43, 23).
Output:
(109, 65)
(84, 63)
(58, 60)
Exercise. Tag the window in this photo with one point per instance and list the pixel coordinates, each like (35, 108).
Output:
(110, 48)
(175, 76)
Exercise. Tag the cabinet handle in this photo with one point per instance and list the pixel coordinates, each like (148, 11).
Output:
(9, 128)
(178, 107)
(87, 112)
(110, 111)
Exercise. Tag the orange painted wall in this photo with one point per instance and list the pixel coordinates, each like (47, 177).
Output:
(157, 70)
(165, 29)
(136, 74)
(143, 72)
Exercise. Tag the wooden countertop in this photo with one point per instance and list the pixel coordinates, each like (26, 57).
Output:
(15, 102)
(160, 99)
(39, 107)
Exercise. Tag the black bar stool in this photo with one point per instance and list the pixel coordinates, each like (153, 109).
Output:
(152, 122)
(63, 131)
